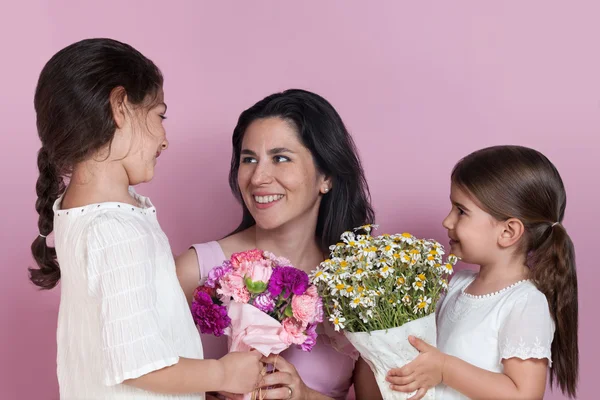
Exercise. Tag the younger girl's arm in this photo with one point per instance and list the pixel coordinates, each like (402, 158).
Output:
(521, 379)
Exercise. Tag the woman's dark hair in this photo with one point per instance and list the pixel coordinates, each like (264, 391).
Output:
(518, 182)
(75, 120)
(321, 130)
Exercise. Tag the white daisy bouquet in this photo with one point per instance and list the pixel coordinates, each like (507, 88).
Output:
(379, 290)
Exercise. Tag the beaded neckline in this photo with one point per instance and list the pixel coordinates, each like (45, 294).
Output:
(487, 295)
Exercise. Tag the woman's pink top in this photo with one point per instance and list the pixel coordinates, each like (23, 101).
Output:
(324, 369)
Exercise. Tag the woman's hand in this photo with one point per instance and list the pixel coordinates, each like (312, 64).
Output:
(421, 374)
(283, 383)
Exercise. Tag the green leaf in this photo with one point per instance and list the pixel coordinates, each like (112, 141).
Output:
(255, 287)
(288, 311)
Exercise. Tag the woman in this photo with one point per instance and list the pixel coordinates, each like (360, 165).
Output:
(295, 170)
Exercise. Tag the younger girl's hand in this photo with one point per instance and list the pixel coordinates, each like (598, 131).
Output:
(421, 374)
(284, 381)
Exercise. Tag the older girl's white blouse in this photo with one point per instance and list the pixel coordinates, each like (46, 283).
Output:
(484, 330)
(122, 312)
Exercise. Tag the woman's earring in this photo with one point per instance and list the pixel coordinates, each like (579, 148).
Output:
(326, 190)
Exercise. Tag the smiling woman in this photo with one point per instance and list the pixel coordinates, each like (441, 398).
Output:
(297, 175)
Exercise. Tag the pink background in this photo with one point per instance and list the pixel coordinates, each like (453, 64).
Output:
(419, 85)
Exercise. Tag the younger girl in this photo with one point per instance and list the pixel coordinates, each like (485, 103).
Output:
(124, 330)
(500, 329)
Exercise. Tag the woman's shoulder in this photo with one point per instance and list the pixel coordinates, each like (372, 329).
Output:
(240, 241)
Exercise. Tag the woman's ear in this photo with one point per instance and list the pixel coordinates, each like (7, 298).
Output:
(326, 185)
(512, 231)
(118, 104)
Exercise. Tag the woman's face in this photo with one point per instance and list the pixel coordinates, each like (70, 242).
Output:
(278, 179)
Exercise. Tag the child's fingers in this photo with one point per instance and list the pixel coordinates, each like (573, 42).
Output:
(256, 353)
(404, 371)
(418, 344)
(419, 395)
(409, 388)
(400, 380)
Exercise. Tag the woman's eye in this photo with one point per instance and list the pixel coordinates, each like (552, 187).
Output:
(280, 159)
(248, 160)
(163, 117)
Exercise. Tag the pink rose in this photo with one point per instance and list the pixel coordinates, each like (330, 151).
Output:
(305, 308)
(260, 271)
(292, 333)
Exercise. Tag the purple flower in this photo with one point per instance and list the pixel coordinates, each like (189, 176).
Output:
(311, 339)
(209, 317)
(287, 280)
(264, 302)
(217, 273)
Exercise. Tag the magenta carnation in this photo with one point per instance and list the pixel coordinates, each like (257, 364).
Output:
(211, 318)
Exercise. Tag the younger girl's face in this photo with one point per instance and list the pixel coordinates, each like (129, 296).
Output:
(147, 139)
(473, 233)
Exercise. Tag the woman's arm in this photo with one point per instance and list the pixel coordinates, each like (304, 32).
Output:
(188, 272)
(365, 385)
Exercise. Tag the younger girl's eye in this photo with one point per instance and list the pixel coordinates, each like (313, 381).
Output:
(460, 211)
(280, 159)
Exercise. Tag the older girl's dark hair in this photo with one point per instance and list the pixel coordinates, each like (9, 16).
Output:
(322, 131)
(519, 182)
(75, 120)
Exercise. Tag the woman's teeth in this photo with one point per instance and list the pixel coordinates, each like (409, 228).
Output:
(267, 199)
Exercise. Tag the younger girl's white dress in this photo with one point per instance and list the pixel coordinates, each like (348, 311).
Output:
(122, 312)
(484, 330)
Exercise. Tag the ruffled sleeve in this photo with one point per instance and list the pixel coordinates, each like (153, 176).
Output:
(528, 329)
(122, 278)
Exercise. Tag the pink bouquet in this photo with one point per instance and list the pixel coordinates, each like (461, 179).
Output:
(261, 302)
